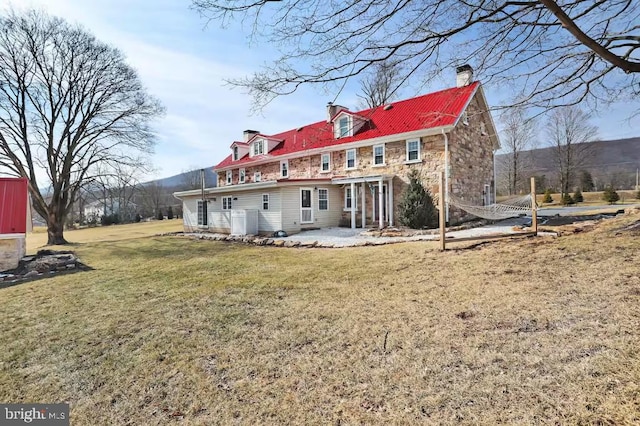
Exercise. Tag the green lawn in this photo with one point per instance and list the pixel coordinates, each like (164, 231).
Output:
(168, 329)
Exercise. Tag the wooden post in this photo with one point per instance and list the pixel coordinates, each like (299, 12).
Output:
(534, 207)
(442, 214)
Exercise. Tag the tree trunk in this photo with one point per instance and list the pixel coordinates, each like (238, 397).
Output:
(55, 230)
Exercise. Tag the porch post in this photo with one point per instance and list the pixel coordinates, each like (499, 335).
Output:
(353, 205)
(380, 201)
(363, 207)
(390, 207)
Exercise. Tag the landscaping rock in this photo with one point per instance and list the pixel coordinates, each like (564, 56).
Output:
(278, 243)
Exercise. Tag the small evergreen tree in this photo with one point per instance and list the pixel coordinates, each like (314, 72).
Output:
(138, 218)
(160, 216)
(638, 195)
(566, 199)
(416, 207)
(610, 195)
(169, 213)
(547, 197)
(577, 196)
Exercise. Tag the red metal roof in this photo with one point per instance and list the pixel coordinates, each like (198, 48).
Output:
(13, 205)
(423, 112)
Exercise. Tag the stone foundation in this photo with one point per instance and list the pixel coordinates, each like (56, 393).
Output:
(12, 249)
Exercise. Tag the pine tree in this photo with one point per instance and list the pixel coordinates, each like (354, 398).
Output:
(547, 197)
(416, 207)
(566, 199)
(169, 212)
(577, 196)
(610, 195)
(160, 216)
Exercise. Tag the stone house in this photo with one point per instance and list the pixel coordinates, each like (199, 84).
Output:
(351, 168)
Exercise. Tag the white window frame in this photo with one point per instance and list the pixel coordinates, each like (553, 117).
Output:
(235, 153)
(355, 159)
(257, 177)
(374, 155)
(326, 191)
(242, 175)
(229, 177)
(227, 203)
(354, 198)
(203, 220)
(258, 143)
(419, 151)
(347, 131)
(322, 156)
(284, 169)
(465, 118)
(265, 201)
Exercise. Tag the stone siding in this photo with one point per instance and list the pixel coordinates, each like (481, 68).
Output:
(11, 251)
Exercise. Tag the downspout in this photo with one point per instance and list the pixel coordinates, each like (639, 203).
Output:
(446, 175)
(495, 182)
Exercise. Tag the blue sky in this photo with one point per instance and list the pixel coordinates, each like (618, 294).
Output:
(183, 62)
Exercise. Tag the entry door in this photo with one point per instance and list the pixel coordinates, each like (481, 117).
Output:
(306, 207)
(376, 202)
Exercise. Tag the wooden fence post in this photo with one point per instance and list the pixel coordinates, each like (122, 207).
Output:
(534, 207)
(442, 212)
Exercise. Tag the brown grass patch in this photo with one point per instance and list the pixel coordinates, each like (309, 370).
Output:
(165, 329)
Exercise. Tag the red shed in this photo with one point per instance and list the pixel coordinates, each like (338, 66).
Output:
(13, 205)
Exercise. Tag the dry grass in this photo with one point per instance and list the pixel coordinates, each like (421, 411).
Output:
(38, 238)
(166, 329)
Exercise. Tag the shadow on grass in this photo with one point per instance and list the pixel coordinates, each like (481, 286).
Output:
(80, 267)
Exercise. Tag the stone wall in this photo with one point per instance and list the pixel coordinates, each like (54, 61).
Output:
(12, 249)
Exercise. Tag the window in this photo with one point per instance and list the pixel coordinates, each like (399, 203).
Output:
(241, 176)
(323, 199)
(348, 199)
(235, 153)
(257, 176)
(465, 118)
(351, 159)
(226, 203)
(325, 162)
(265, 201)
(258, 147)
(378, 155)
(344, 127)
(229, 177)
(483, 129)
(202, 213)
(284, 169)
(413, 150)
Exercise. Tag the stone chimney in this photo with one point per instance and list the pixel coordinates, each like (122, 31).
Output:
(248, 134)
(464, 75)
(332, 110)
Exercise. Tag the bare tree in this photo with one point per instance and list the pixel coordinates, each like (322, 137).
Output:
(568, 130)
(68, 102)
(379, 86)
(552, 52)
(518, 135)
(191, 178)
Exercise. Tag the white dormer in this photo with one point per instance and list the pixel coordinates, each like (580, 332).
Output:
(239, 150)
(347, 124)
(262, 145)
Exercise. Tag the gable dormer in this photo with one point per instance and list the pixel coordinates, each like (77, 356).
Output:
(346, 124)
(239, 150)
(262, 145)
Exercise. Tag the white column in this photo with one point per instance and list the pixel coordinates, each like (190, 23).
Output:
(390, 191)
(380, 201)
(353, 205)
(363, 205)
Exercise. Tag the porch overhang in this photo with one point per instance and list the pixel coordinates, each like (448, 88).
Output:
(360, 179)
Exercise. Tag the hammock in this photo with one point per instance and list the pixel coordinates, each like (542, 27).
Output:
(510, 208)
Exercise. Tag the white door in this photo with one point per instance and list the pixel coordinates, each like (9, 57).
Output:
(306, 207)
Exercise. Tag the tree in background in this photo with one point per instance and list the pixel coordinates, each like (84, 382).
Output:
(536, 48)
(547, 197)
(169, 212)
(379, 85)
(68, 103)
(518, 135)
(610, 195)
(416, 207)
(577, 196)
(160, 215)
(567, 200)
(586, 181)
(567, 130)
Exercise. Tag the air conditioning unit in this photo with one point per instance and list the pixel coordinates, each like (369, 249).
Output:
(244, 222)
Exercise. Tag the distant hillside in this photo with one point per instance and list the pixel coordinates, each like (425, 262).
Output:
(185, 181)
(612, 162)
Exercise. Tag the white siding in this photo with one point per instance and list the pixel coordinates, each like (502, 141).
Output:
(321, 218)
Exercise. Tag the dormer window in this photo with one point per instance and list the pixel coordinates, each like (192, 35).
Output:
(343, 129)
(235, 153)
(258, 147)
